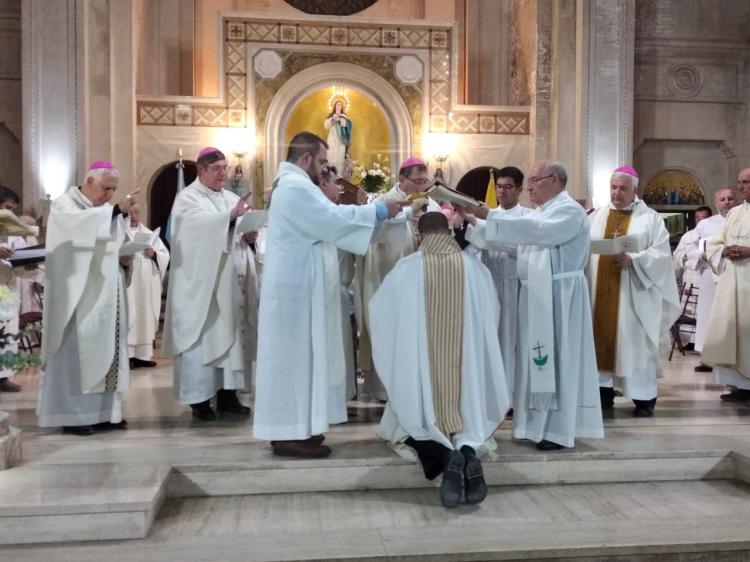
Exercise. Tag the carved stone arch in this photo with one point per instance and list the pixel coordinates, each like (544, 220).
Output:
(323, 75)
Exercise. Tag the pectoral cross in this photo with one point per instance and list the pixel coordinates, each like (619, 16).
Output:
(539, 347)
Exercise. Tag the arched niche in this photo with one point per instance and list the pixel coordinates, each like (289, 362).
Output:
(681, 181)
(474, 182)
(324, 75)
(162, 189)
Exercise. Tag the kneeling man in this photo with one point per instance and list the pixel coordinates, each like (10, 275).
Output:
(433, 324)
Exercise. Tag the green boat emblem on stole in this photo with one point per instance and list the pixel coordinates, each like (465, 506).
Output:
(540, 360)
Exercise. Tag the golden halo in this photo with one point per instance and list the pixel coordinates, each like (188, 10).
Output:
(336, 98)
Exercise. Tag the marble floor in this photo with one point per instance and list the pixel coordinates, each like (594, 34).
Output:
(223, 492)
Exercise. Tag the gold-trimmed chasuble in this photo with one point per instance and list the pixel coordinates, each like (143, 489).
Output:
(607, 296)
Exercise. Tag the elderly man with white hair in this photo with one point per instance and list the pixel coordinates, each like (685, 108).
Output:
(84, 342)
(634, 294)
(555, 395)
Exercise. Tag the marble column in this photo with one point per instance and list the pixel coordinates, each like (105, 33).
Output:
(609, 112)
(583, 90)
(79, 93)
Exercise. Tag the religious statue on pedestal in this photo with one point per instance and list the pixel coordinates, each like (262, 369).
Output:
(339, 128)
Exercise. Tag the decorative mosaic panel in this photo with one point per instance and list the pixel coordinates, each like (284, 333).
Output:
(344, 39)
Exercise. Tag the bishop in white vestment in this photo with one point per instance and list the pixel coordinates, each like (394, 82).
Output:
(204, 327)
(446, 382)
(634, 295)
(394, 239)
(144, 293)
(297, 367)
(501, 260)
(84, 341)
(556, 396)
(727, 342)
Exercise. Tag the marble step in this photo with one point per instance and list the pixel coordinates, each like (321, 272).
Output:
(666, 521)
(79, 502)
(105, 501)
(392, 472)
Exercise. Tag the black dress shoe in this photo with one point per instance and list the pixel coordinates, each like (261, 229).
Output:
(300, 449)
(136, 363)
(509, 415)
(132, 364)
(737, 395)
(203, 411)
(78, 429)
(545, 445)
(689, 346)
(703, 368)
(607, 397)
(108, 426)
(452, 486)
(644, 408)
(312, 440)
(228, 403)
(475, 488)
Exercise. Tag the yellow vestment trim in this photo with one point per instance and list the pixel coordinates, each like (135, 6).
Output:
(607, 296)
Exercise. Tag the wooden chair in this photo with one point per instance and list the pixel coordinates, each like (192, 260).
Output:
(34, 317)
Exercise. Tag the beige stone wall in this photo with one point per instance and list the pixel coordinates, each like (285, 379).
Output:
(692, 100)
(10, 94)
(206, 14)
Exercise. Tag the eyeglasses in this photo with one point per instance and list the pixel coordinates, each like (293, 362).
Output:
(534, 180)
(421, 181)
(506, 186)
(743, 182)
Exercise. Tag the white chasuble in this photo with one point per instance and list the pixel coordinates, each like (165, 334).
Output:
(501, 260)
(295, 366)
(393, 239)
(144, 296)
(695, 252)
(560, 225)
(647, 298)
(727, 341)
(203, 329)
(84, 341)
(398, 308)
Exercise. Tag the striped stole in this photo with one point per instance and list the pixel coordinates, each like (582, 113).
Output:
(444, 291)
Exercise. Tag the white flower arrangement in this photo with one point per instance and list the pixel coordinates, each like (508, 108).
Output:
(376, 178)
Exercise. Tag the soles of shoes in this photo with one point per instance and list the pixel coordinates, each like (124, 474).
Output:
(451, 488)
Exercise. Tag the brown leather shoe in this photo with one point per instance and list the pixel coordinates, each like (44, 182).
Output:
(7, 386)
(300, 449)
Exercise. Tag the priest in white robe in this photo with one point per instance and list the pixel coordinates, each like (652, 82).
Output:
(144, 293)
(84, 341)
(633, 295)
(296, 371)
(204, 328)
(724, 201)
(727, 342)
(340, 273)
(446, 382)
(501, 260)
(556, 397)
(394, 239)
(683, 268)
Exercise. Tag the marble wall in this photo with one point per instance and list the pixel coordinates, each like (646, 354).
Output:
(10, 94)
(692, 108)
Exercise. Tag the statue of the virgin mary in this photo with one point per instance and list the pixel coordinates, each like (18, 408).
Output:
(339, 128)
